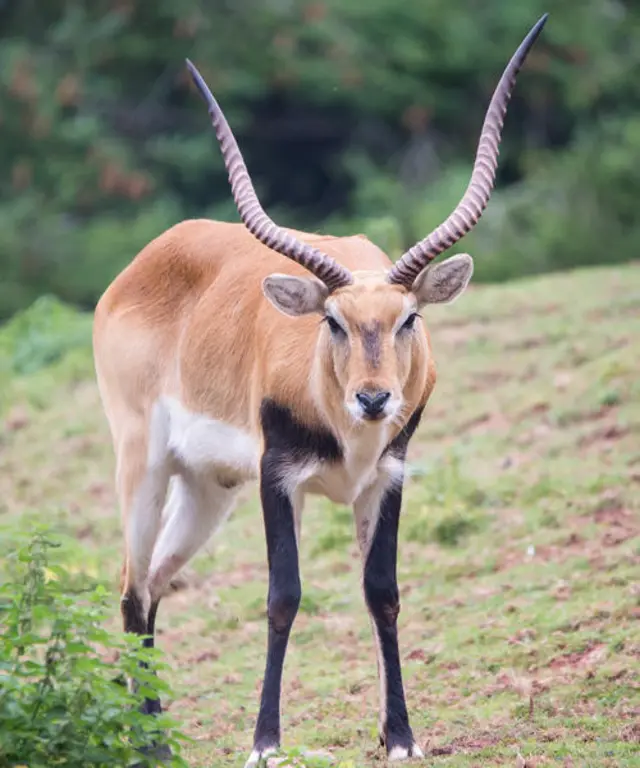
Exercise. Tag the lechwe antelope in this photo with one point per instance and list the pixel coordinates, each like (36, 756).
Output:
(230, 352)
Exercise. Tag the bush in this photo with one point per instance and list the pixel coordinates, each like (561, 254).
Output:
(62, 702)
(42, 335)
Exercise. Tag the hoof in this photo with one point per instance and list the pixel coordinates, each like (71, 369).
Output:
(398, 753)
(156, 752)
(258, 758)
(150, 707)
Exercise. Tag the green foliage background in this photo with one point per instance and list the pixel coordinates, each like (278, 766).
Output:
(353, 116)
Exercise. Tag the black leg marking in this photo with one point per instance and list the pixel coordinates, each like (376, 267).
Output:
(283, 598)
(292, 440)
(134, 621)
(382, 596)
(133, 613)
(151, 624)
(151, 706)
(286, 440)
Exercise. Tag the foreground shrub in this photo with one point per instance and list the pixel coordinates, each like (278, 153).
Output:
(62, 699)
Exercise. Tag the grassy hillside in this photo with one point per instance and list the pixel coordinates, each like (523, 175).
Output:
(519, 555)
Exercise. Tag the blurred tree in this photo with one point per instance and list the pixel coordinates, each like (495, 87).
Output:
(361, 114)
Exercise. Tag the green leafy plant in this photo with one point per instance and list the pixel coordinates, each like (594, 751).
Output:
(62, 701)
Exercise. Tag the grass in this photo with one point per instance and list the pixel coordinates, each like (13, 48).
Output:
(519, 555)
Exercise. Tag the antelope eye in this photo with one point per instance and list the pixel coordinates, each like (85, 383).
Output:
(335, 327)
(409, 322)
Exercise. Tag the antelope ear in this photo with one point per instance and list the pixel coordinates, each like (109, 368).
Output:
(295, 296)
(443, 282)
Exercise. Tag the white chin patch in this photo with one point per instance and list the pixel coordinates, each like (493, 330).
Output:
(355, 410)
(393, 408)
(357, 414)
(402, 753)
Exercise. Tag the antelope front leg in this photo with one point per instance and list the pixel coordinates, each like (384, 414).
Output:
(282, 602)
(377, 514)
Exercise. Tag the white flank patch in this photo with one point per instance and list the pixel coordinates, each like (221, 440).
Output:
(200, 443)
(209, 461)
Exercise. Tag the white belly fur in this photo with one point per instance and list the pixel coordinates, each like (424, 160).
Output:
(203, 446)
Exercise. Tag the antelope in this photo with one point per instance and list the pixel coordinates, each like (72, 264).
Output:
(226, 353)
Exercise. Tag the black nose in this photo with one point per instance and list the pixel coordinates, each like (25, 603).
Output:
(373, 403)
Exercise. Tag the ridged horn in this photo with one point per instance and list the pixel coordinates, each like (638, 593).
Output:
(476, 197)
(326, 269)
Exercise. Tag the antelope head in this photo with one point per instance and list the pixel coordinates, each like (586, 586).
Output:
(372, 349)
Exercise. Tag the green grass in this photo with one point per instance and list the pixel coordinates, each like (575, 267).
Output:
(519, 557)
